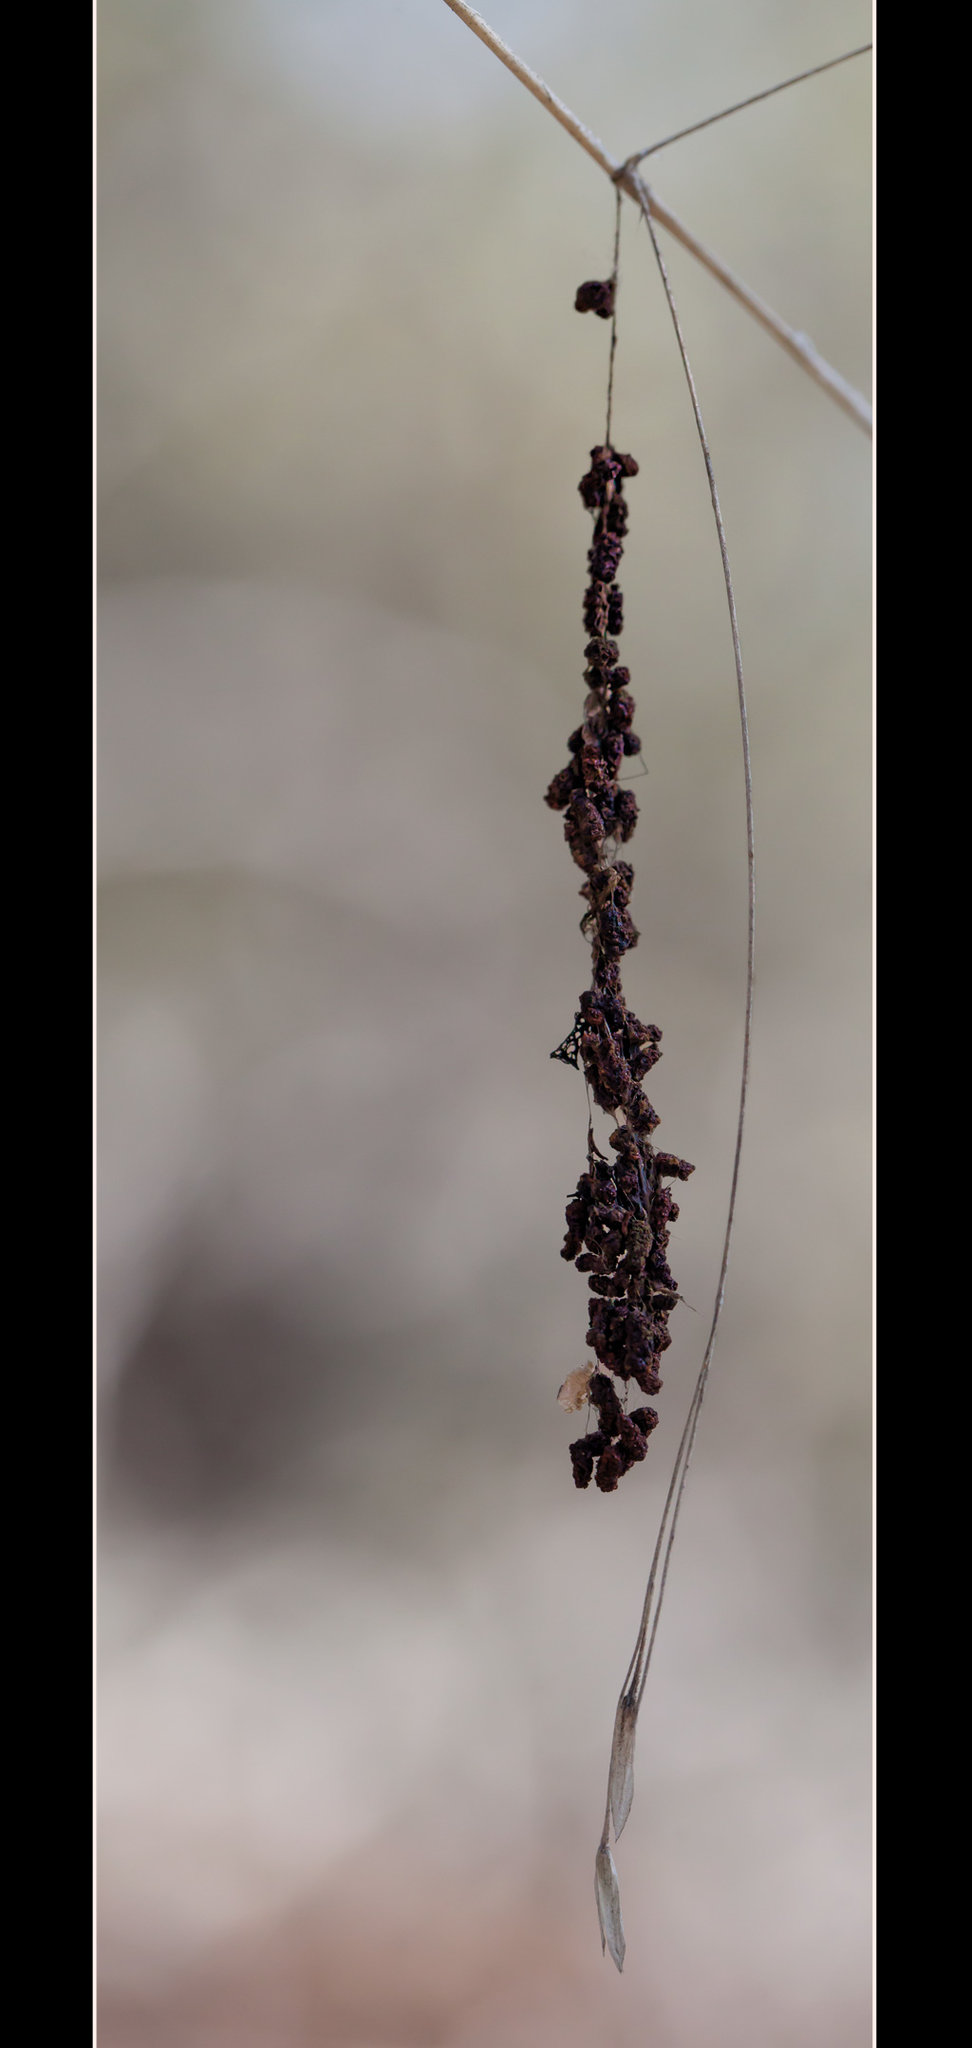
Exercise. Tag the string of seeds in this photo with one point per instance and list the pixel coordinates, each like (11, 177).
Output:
(619, 1216)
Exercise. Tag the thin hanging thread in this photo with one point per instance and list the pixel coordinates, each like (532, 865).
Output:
(632, 1691)
(614, 312)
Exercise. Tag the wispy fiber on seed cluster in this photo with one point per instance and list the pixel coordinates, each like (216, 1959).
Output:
(619, 1215)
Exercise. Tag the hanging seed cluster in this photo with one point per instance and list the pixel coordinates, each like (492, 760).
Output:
(619, 1215)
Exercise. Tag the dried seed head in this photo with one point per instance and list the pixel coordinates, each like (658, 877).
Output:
(618, 1219)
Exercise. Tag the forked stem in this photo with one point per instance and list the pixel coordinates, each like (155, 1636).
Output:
(797, 345)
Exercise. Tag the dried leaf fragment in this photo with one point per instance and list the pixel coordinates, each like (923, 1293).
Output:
(609, 1905)
(573, 1394)
(621, 1776)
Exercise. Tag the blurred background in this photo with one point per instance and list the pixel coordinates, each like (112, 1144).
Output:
(361, 1640)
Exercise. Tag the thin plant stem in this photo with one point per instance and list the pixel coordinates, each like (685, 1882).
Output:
(797, 345)
(614, 314)
(754, 98)
(632, 1691)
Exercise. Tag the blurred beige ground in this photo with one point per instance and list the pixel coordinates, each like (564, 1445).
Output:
(360, 1639)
